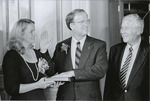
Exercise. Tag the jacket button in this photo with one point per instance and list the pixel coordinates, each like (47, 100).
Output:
(125, 91)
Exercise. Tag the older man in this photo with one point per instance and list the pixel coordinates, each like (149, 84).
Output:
(128, 74)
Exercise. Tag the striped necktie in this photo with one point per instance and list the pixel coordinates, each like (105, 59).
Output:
(124, 69)
(77, 55)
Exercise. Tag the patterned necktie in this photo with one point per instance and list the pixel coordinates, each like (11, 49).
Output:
(77, 56)
(124, 69)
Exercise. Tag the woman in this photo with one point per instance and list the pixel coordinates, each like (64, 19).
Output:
(25, 68)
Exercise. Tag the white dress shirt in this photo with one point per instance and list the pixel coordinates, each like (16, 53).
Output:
(134, 53)
(73, 48)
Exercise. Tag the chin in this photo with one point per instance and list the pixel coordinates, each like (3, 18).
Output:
(124, 40)
(85, 33)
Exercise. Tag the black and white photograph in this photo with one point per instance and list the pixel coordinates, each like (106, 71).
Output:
(74, 50)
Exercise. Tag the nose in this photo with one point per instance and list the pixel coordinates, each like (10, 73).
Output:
(85, 23)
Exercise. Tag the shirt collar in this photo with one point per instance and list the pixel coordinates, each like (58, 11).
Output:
(81, 41)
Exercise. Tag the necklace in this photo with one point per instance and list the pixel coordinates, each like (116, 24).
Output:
(35, 79)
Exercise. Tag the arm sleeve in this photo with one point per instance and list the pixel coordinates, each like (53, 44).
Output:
(97, 70)
(11, 70)
(51, 70)
(109, 79)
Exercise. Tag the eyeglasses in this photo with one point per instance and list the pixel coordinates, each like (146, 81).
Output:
(84, 21)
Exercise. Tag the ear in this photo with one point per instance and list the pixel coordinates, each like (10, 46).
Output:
(140, 30)
(72, 26)
(142, 27)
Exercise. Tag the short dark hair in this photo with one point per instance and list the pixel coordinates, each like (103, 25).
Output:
(71, 15)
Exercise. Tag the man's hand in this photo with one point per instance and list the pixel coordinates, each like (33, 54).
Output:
(65, 74)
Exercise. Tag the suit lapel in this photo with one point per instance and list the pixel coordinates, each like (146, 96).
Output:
(120, 57)
(85, 52)
(137, 64)
(68, 60)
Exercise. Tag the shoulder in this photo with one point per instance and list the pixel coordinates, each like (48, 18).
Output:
(11, 53)
(144, 44)
(118, 47)
(66, 41)
(96, 41)
(11, 57)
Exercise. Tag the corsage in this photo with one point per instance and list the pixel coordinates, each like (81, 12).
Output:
(65, 47)
(43, 65)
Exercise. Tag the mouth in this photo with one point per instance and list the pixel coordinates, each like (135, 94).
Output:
(33, 38)
(124, 35)
(85, 28)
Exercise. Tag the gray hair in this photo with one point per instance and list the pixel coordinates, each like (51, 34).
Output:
(135, 20)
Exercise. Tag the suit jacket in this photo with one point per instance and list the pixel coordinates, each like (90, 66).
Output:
(138, 84)
(92, 67)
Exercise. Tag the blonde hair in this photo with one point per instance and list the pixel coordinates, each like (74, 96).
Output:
(15, 39)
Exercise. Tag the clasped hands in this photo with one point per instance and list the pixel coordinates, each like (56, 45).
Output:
(43, 83)
(52, 82)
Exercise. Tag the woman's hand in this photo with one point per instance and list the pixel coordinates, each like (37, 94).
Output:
(44, 42)
(42, 83)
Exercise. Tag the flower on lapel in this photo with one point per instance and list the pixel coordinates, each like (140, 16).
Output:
(64, 47)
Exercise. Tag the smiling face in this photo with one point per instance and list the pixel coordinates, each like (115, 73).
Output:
(80, 24)
(131, 30)
(29, 34)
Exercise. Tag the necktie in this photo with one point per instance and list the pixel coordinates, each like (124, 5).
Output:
(77, 55)
(124, 69)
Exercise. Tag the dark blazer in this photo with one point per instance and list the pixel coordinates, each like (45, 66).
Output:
(138, 84)
(92, 67)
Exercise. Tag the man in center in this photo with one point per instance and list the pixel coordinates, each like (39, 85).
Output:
(81, 57)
